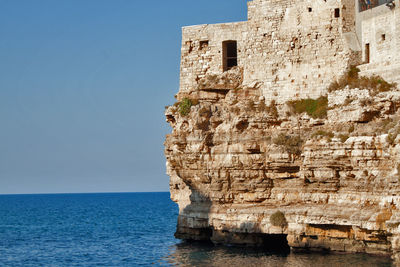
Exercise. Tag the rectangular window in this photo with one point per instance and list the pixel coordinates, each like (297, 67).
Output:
(203, 44)
(337, 12)
(229, 49)
(367, 55)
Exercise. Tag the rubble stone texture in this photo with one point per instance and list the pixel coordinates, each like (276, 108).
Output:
(242, 157)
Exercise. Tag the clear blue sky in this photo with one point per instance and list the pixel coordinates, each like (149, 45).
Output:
(83, 85)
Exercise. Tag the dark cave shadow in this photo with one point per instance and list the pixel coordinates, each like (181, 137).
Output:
(234, 239)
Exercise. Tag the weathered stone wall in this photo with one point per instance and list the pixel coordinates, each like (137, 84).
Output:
(293, 49)
(380, 28)
(201, 52)
(349, 9)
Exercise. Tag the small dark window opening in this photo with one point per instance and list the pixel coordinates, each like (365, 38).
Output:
(309, 9)
(203, 44)
(337, 12)
(229, 54)
(383, 37)
(367, 56)
(189, 44)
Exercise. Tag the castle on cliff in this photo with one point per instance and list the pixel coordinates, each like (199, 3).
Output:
(295, 49)
(310, 174)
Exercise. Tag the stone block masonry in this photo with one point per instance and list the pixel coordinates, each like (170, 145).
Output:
(292, 49)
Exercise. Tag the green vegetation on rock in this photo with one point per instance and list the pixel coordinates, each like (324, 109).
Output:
(315, 108)
(375, 84)
(184, 106)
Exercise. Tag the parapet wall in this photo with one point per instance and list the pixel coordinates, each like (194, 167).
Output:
(259, 10)
(292, 49)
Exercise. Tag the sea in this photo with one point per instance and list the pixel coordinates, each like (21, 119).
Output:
(125, 229)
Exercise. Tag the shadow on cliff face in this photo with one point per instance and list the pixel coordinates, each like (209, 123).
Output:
(194, 225)
(250, 235)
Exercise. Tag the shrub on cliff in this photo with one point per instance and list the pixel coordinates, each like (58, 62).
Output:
(315, 108)
(343, 137)
(278, 219)
(322, 133)
(292, 144)
(271, 109)
(375, 84)
(392, 127)
(184, 106)
(391, 137)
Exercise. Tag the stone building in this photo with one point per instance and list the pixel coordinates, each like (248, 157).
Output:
(378, 30)
(295, 49)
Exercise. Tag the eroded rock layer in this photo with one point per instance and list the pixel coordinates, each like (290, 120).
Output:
(242, 170)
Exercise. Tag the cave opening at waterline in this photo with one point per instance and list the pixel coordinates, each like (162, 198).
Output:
(276, 243)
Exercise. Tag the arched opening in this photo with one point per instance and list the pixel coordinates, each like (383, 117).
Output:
(229, 49)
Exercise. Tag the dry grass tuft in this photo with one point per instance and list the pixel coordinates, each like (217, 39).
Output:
(292, 144)
(375, 84)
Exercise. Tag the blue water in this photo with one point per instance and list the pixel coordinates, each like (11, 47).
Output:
(134, 229)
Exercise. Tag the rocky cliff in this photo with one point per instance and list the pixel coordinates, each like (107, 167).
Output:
(317, 174)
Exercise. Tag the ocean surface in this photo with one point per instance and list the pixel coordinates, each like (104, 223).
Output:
(130, 229)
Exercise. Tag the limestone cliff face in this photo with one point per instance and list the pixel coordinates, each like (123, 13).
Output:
(242, 170)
